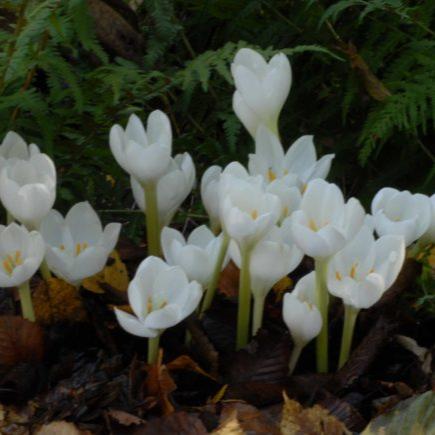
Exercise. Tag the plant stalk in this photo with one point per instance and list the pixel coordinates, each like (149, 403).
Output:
(257, 319)
(45, 271)
(244, 308)
(322, 302)
(294, 358)
(152, 219)
(26, 301)
(212, 286)
(350, 315)
(153, 349)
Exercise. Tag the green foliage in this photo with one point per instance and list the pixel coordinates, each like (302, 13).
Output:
(64, 80)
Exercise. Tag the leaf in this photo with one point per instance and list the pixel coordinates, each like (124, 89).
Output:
(20, 341)
(124, 418)
(184, 362)
(180, 423)
(61, 428)
(230, 426)
(229, 281)
(55, 300)
(414, 416)
(309, 421)
(114, 276)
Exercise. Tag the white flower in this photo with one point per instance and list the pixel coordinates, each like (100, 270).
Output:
(362, 271)
(145, 155)
(261, 88)
(21, 254)
(172, 188)
(248, 212)
(273, 257)
(197, 256)
(401, 213)
(15, 147)
(290, 197)
(296, 167)
(28, 188)
(325, 223)
(210, 194)
(77, 246)
(299, 312)
(160, 296)
(429, 235)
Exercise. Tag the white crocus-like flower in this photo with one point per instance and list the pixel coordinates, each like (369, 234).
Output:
(325, 223)
(197, 256)
(296, 167)
(248, 212)
(21, 254)
(172, 188)
(77, 245)
(145, 155)
(261, 88)
(401, 213)
(210, 194)
(15, 147)
(273, 257)
(160, 296)
(28, 188)
(429, 235)
(301, 315)
(362, 271)
(290, 197)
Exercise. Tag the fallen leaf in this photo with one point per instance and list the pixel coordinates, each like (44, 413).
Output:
(251, 419)
(422, 353)
(281, 287)
(229, 281)
(20, 341)
(219, 395)
(230, 426)
(184, 362)
(55, 300)
(61, 428)
(414, 416)
(114, 276)
(309, 421)
(124, 418)
(160, 384)
(180, 423)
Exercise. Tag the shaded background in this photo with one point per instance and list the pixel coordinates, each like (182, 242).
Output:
(363, 84)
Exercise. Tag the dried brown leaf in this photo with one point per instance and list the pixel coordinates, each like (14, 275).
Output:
(229, 281)
(309, 421)
(184, 362)
(124, 418)
(55, 300)
(180, 423)
(230, 426)
(61, 428)
(20, 341)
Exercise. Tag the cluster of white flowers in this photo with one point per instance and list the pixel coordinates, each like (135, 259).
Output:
(265, 218)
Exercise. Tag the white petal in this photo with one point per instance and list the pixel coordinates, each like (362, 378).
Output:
(159, 129)
(133, 326)
(84, 223)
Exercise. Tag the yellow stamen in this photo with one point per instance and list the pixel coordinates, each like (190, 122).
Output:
(304, 187)
(285, 211)
(254, 214)
(149, 304)
(62, 247)
(271, 175)
(312, 225)
(353, 270)
(80, 247)
(12, 261)
(338, 275)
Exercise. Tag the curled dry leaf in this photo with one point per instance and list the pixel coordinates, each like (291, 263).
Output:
(230, 426)
(422, 353)
(20, 341)
(180, 423)
(229, 281)
(124, 418)
(55, 300)
(184, 362)
(114, 277)
(309, 421)
(61, 428)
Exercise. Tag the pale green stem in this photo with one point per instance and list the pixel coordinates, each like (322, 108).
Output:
(296, 353)
(322, 302)
(152, 219)
(215, 226)
(45, 271)
(211, 288)
(244, 308)
(257, 320)
(9, 218)
(26, 301)
(153, 349)
(350, 315)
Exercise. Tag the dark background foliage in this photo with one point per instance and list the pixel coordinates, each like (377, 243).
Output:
(364, 85)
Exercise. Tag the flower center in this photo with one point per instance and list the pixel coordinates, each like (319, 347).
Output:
(80, 247)
(271, 175)
(254, 214)
(338, 276)
(312, 225)
(11, 261)
(152, 305)
(352, 272)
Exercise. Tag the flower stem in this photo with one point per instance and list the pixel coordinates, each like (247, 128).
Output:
(257, 319)
(322, 302)
(296, 353)
(211, 288)
(153, 349)
(45, 271)
(152, 219)
(26, 301)
(350, 315)
(9, 218)
(244, 307)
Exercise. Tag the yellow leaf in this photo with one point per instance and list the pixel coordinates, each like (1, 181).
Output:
(114, 275)
(231, 426)
(220, 394)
